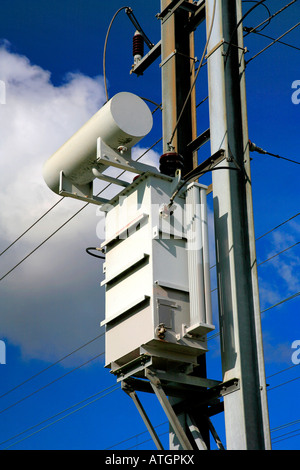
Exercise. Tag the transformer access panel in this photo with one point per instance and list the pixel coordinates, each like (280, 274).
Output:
(157, 286)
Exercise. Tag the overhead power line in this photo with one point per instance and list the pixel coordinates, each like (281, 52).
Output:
(273, 39)
(284, 438)
(50, 383)
(254, 148)
(32, 225)
(278, 226)
(268, 20)
(238, 25)
(284, 383)
(109, 390)
(277, 254)
(272, 43)
(281, 302)
(136, 24)
(52, 365)
(292, 423)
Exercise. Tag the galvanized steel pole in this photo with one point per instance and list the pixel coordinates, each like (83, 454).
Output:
(246, 410)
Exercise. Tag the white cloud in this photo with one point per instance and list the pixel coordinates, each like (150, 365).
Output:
(36, 119)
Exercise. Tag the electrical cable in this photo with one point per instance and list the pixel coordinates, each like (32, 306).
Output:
(272, 43)
(88, 250)
(31, 226)
(281, 302)
(283, 370)
(215, 335)
(286, 425)
(105, 46)
(138, 27)
(238, 25)
(195, 78)
(193, 175)
(136, 24)
(201, 102)
(251, 30)
(61, 412)
(254, 148)
(52, 365)
(50, 383)
(284, 383)
(277, 254)
(147, 440)
(273, 39)
(279, 440)
(277, 226)
(63, 417)
(268, 20)
(135, 436)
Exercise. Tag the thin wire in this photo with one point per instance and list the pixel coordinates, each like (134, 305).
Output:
(270, 231)
(201, 102)
(277, 226)
(135, 436)
(278, 428)
(278, 156)
(262, 311)
(283, 370)
(281, 302)
(196, 76)
(31, 226)
(193, 175)
(63, 417)
(277, 254)
(251, 30)
(268, 20)
(50, 383)
(147, 440)
(284, 383)
(91, 248)
(272, 43)
(43, 242)
(61, 412)
(238, 25)
(273, 39)
(275, 441)
(51, 365)
(105, 46)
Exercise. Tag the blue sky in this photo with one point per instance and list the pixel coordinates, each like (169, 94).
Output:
(52, 303)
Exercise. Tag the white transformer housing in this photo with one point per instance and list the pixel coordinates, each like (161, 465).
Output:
(157, 282)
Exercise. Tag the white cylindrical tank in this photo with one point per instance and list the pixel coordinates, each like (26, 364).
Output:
(123, 121)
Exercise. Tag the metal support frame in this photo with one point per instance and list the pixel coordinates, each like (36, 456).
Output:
(129, 390)
(106, 157)
(185, 387)
(171, 415)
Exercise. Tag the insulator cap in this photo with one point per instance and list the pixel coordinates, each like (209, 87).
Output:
(170, 162)
(138, 44)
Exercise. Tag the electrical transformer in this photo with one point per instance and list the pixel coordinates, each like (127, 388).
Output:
(157, 280)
